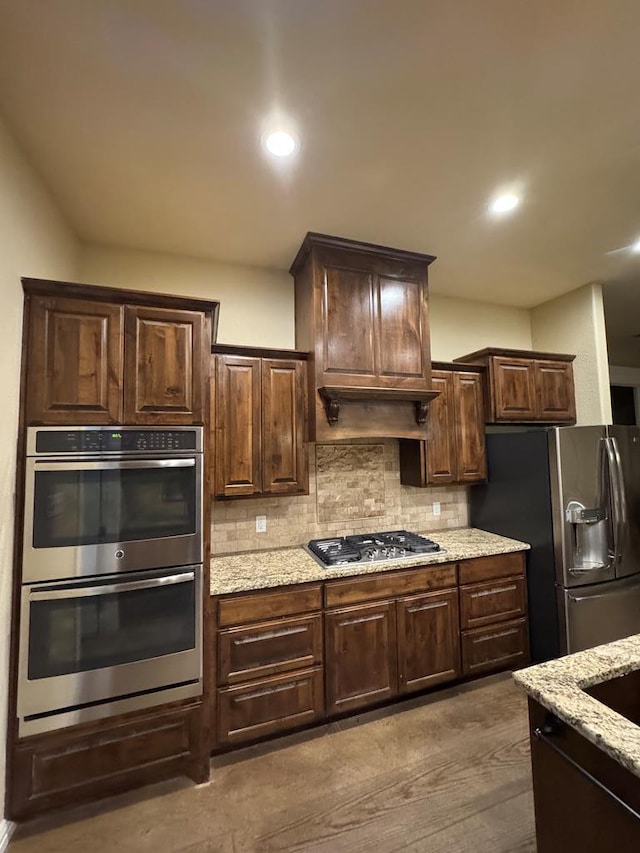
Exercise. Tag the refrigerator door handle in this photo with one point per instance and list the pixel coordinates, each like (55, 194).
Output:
(618, 497)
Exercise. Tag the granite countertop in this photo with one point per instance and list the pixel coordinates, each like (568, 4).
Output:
(251, 570)
(560, 686)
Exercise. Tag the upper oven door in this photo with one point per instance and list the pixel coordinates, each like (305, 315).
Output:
(97, 516)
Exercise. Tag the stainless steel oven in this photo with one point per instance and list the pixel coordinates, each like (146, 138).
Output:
(111, 608)
(92, 648)
(100, 500)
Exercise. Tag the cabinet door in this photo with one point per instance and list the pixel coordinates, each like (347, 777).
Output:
(164, 372)
(556, 396)
(514, 389)
(284, 446)
(402, 329)
(238, 443)
(471, 456)
(428, 640)
(75, 362)
(360, 656)
(441, 437)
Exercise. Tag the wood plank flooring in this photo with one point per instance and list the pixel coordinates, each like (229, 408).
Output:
(448, 772)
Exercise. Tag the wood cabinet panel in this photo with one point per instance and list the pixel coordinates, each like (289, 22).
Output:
(514, 389)
(268, 648)
(501, 646)
(284, 427)
(454, 450)
(360, 656)
(389, 585)
(470, 455)
(256, 607)
(252, 711)
(74, 361)
(556, 397)
(163, 366)
(238, 439)
(348, 303)
(428, 640)
(400, 319)
(494, 601)
(485, 568)
(526, 386)
(79, 765)
(441, 451)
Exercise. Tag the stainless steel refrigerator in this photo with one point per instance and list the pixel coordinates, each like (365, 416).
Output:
(573, 493)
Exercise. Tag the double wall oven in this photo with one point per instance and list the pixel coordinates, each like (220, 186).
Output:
(111, 607)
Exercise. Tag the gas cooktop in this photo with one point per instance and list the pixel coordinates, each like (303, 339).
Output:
(370, 548)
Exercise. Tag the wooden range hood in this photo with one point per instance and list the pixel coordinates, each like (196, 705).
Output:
(362, 313)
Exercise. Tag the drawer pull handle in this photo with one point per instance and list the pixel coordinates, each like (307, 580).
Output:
(360, 619)
(494, 636)
(496, 589)
(268, 691)
(429, 606)
(270, 635)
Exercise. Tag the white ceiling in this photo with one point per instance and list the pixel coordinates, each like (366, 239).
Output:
(144, 117)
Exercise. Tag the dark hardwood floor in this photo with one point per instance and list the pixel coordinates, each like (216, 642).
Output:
(449, 772)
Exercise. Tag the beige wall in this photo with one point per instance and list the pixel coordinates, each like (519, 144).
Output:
(256, 304)
(460, 326)
(575, 323)
(34, 241)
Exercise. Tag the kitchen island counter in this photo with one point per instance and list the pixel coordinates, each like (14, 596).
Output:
(252, 570)
(560, 686)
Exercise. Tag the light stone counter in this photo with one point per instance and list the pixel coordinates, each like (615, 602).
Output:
(560, 685)
(251, 570)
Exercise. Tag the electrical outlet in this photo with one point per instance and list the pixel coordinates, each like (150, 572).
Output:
(261, 523)
(436, 508)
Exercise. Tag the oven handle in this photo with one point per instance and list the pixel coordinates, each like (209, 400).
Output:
(92, 591)
(110, 466)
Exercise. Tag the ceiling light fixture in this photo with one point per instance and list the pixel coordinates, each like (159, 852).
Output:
(504, 203)
(280, 143)
(635, 247)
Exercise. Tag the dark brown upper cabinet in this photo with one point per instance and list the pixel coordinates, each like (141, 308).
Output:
(361, 311)
(454, 450)
(260, 424)
(98, 355)
(527, 387)
(163, 366)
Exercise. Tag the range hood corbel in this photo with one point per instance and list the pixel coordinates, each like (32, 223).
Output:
(334, 395)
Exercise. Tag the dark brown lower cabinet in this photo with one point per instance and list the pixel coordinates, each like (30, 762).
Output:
(360, 656)
(584, 800)
(428, 640)
(251, 711)
(501, 646)
(100, 759)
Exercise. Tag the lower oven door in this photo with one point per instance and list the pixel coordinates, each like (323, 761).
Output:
(127, 643)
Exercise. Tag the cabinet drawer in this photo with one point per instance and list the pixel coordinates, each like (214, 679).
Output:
(501, 646)
(485, 568)
(272, 705)
(63, 768)
(268, 605)
(389, 585)
(493, 601)
(258, 651)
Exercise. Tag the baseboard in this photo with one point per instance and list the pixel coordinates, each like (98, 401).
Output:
(6, 831)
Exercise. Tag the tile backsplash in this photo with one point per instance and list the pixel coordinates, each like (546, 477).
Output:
(353, 488)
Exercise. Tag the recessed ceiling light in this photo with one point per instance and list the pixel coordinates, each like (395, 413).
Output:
(635, 247)
(503, 203)
(280, 143)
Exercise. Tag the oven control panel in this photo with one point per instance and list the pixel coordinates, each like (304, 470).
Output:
(116, 440)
